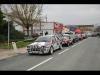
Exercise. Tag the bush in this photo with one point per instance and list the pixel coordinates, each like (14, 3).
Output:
(16, 35)
(3, 38)
(20, 44)
(24, 43)
(30, 40)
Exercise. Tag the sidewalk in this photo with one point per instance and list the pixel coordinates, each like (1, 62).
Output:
(5, 53)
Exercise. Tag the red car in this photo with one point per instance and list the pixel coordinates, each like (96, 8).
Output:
(66, 40)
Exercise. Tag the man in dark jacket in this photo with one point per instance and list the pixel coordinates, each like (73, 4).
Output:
(46, 33)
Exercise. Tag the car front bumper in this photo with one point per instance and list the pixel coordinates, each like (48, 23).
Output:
(38, 51)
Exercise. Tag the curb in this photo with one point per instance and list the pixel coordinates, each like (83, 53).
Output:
(12, 55)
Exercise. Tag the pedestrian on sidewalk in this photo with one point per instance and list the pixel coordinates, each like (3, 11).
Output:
(46, 33)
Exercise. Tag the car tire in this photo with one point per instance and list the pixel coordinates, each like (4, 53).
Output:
(68, 44)
(72, 43)
(51, 50)
(60, 47)
(30, 53)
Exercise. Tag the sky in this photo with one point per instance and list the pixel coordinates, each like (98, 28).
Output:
(72, 13)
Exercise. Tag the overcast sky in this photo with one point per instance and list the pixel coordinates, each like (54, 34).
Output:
(73, 13)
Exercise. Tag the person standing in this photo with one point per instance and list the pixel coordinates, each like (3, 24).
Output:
(46, 33)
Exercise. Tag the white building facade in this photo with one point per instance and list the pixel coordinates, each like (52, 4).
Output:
(39, 28)
(42, 28)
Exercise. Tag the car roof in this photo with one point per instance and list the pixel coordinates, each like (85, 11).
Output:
(65, 34)
(47, 36)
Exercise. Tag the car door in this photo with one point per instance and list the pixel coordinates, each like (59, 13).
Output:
(71, 38)
(55, 43)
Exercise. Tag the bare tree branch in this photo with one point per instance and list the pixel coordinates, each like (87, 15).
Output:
(24, 14)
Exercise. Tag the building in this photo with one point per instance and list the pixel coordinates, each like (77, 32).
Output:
(83, 28)
(42, 27)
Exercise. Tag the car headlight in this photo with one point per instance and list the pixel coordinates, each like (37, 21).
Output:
(28, 46)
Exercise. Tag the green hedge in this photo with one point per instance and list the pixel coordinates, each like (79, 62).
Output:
(20, 44)
(3, 38)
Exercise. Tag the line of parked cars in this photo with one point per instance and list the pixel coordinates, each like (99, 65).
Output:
(49, 43)
(70, 38)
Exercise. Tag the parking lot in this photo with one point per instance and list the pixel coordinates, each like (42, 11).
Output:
(83, 55)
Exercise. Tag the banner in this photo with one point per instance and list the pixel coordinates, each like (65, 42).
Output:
(58, 27)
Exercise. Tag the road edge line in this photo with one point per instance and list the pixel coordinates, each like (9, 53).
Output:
(64, 51)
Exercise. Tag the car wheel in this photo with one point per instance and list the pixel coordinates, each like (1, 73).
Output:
(72, 43)
(68, 44)
(60, 47)
(30, 53)
(51, 50)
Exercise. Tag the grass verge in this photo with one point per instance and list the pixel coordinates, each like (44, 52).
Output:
(19, 44)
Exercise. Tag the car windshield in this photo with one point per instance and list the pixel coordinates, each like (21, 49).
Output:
(43, 39)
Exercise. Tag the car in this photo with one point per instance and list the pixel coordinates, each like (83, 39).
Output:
(79, 35)
(76, 37)
(67, 40)
(84, 36)
(89, 34)
(44, 45)
(73, 36)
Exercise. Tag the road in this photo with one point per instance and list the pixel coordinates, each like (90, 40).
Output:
(84, 55)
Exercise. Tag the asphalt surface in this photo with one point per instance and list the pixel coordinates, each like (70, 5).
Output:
(84, 55)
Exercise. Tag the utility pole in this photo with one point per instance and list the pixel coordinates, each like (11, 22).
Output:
(40, 24)
(8, 34)
(46, 18)
(7, 19)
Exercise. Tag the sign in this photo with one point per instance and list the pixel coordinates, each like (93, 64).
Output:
(14, 47)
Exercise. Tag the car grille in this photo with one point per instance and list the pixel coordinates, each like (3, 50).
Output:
(35, 48)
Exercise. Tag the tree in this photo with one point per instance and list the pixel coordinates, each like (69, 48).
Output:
(14, 34)
(1, 18)
(25, 15)
(1, 25)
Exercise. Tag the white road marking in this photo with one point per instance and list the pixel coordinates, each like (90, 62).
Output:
(74, 45)
(64, 51)
(39, 64)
